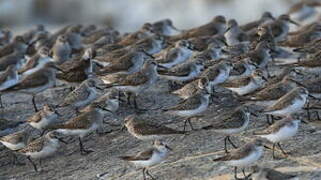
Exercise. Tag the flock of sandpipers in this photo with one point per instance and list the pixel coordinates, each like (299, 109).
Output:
(258, 62)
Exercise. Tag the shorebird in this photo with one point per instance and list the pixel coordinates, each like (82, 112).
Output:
(130, 63)
(82, 95)
(16, 58)
(78, 69)
(36, 62)
(260, 173)
(8, 78)
(145, 31)
(244, 156)
(313, 65)
(246, 85)
(144, 130)
(242, 68)
(61, 50)
(303, 10)
(217, 74)
(42, 147)
(88, 30)
(183, 72)
(15, 142)
(234, 35)
(191, 88)
(271, 93)
(150, 157)
(43, 118)
(74, 38)
(290, 103)
(190, 107)
(280, 27)
(90, 120)
(165, 27)
(180, 53)
(152, 45)
(133, 84)
(280, 131)
(110, 101)
(216, 26)
(266, 17)
(231, 123)
(18, 45)
(260, 55)
(36, 82)
(201, 43)
(212, 52)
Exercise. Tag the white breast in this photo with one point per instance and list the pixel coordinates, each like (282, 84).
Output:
(13, 146)
(245, 89)
(156, 158)
(296, 106)
(283, 134)
(252, 158)
(46, 151)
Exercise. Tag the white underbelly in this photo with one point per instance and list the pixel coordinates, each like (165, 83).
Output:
(283, 134)
(252, 158)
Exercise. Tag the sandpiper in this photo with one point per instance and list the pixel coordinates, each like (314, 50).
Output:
(36, 82)
(303, 10)
(61, 50)
(183, 72)
(17, 59)
(110, 101)
(232, 123)
(134, 83)
(82, 95)
(246, 85)
(152, 45)
(42, 147)
(216, 26)
(8, 79)
(43, 118)
(130, 63)
(290, 103)
(150, 157)
(201, 43)
(242, 68)
(305, 37)
(77, 70)
(15, 142)
(234, 35)
(18, 45)
(244, 156)
(191, 88)
(260, 173)
(191, 106)
(260, 55)
(144, 130)
(144, 32)
(90, 120)
(180, 53)
(266, 17)
(280, 27)
(280, 131)
(36, 62)
(217, 74)
(74, 38)
(165, 27)
(212, 52)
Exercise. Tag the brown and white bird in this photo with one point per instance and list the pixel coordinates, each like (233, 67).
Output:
(266, 17)
(234, 35)
(165, 27)
(261, 173)
(280, 131)
(18, 45)
(303, 10)
(145, 130)
(61, 50)
(244, 156)
(150, 157)
(42, 147)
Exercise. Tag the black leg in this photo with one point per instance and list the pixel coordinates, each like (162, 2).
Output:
(147, 172)
(185, 122)
(144, 175)
(34, 103)
(272, 119)
(279, 145)
(1, 105)
(308, 111)
(235, 173)
(268, 119)
(190, 124)
(243, 171)
(82, 150)
(225, 144)
(128, 95)
(229, 140)
(273, 149)
(318, 116)
(43, 132)
(33, 164)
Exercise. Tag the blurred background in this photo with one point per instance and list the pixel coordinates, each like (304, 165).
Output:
(129, 15)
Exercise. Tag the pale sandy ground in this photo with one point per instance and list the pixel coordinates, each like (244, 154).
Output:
(190, 160)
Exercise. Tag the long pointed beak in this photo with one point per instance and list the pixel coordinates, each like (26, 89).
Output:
(169, 148)
(293, 22)
(312, 97)
(61, 140)
(264, 78)
(160, 66)
(304, 121)
(253, 114)
(228, 29)
(267, 147)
